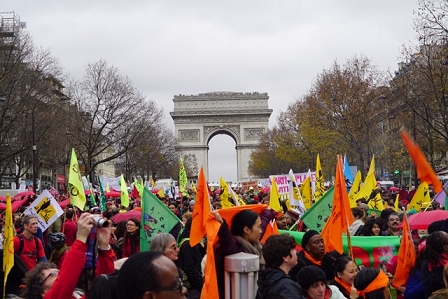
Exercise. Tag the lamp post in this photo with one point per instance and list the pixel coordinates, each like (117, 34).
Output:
(33, 141)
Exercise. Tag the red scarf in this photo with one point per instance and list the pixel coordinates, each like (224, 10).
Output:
(311, 259)
(347, 287)
(440, 263)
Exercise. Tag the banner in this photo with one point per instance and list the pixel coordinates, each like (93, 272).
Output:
(46, 209)
(282, 180)
(113, 183)
(367, 251)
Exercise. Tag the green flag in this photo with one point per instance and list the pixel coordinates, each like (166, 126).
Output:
(156, 218)
(182, 177)
(316, 216)
(102, 197)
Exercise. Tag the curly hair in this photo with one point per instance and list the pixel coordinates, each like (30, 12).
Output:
(276, 248)
(34, 280)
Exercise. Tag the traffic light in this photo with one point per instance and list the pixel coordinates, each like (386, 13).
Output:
(397, 171)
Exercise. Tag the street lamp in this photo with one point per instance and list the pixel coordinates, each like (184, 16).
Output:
(33, 141)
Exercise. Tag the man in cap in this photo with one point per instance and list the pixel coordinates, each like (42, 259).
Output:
(291, 218)
(313, 249)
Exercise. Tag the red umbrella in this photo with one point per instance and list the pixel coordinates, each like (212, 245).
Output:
(25, 193)
(64, 203)
(135, 213)
(423, 219)
(266, 189)
(15, 205)
(112, 194)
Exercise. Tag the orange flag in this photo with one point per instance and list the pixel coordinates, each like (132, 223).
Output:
(228, 213)
(406, 256)
(271, 229)
(210, 288)
(424, 170)
(341, 216)
(201, 211)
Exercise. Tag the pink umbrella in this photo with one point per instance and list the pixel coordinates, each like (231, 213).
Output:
(423, 219)
(266, 189)
(64, 203)
(15, 205)
(135, 213)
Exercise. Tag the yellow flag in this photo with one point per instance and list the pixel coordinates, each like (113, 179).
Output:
(420, 197)
(396, 202)
(371, 193)
(354, 190)
(224, 195)
(193, 187)
(236, 198)
(8, 243)
(320, 188)
(305, 190)
(75, 187)
(274, 199)
(153, 184)
(372, 167)
(161, 193)
(107, 187)
(124, 192)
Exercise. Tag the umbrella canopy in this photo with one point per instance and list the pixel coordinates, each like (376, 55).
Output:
(423, 219)
(25, 193)
(64, 203)
(15, 205)
(112, 194)
(266, 189)
(135, 213)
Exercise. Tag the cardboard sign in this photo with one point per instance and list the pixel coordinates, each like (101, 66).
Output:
(46, 209)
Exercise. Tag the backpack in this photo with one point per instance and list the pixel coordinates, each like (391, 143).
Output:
(20, 251)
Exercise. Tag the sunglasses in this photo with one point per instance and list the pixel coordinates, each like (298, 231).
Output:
(177, 288)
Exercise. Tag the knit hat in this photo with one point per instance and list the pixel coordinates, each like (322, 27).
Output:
(293, 215)
(363, 206)
(307, 236)
(309, 275)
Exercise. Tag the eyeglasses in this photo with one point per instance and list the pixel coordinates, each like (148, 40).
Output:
(53, 273)
(173, 247)
(177, 288)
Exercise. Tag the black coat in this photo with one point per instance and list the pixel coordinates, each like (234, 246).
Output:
(275, 281)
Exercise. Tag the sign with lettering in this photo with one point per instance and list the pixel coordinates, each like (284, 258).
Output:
(46, 209)
(282, 181)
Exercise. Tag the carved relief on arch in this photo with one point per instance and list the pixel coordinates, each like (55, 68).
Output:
(232, 129)
(253, 133)
(188, 135)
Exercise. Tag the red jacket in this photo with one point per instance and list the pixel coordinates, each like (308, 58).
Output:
(72, 267)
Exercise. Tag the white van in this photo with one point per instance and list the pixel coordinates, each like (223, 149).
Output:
(386, 184)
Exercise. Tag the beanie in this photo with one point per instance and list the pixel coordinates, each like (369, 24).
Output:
(293, 215)
(309, 275)
(307, 236)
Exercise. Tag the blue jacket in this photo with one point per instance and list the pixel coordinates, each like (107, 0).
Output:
(414, 286)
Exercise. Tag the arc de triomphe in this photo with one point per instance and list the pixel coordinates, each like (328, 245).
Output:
(198, 118)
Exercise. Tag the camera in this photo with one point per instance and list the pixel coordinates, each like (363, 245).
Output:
(99, 221)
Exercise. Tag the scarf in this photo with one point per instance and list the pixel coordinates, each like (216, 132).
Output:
(311, 259)
(347, 287)
(256, 249)
(381, 281)
(440, 263)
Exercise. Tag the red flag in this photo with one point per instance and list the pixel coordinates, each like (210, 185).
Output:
(201, 210)
(424, 170)
(135, 193)
(341, 216)
(406, 256)
(271, 229)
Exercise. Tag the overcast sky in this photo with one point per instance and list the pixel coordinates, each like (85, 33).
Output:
(191, 47)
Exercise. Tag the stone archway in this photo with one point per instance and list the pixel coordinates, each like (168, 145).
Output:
(198, 118)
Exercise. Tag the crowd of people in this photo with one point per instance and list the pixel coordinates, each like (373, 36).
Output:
(75, 259)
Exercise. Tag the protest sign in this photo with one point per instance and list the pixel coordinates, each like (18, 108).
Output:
(46, 209)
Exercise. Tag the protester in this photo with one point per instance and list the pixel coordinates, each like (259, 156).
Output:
(442, 293)
(314, 284)
(46, 281)
(190, 259)
(435, 257)
(372, 227)
(414, 285)
(280, 255)
(292, 218)
(69, 227)
(149, 275)
(327, 263)
(372, 283)
(103, 287)
(59, 248)
(165, 244)
(280, 220)
(345, 271)
(393, 225)
(131, 240)
(359, 217)
(27, 246)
